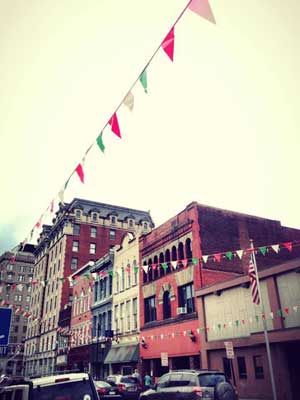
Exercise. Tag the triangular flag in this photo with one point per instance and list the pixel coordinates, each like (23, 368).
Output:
(202, 8)
(287, 310)
(229, 255)
(218, 257)
(129, 101)
(100, 142)
(240, 253)
(275, 247)
(61, 193)
(143, 80)
(263, 250)
(184, 262)
(288, 245)
(164, 265)
(52, 206)
(271, 315)
(168, 44)
(205, 258)
(79, 170)
(145, 268)
(174, 264)
(195, 261)
(114, 123)
(295, 308)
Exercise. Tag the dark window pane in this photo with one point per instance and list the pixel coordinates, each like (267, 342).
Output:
(242, 367)
(258, 367)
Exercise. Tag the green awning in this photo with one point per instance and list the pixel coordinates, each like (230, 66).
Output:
(121, 354)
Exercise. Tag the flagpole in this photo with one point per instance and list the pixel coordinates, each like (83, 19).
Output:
(264, 324)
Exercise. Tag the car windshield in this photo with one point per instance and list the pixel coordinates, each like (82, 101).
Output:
(102, 384)
(211, 380)
(129, 379)
(79, 390)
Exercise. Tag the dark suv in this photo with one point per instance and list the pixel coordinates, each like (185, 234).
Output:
(191, 385)
(127, 386)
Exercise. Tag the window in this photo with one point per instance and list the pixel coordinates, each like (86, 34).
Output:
(145, 226)
(18, 297)
(30, 270)
(24, 328)
(130, 223)
(113, 220)
(16, 329)
(75, 246)
(258, 367)
(94, 216)
(150, 309)
(135, 273)
(78, 214)
(112, 234)
(27, 299)
(122, 317)
(110, 285)
(122, 279)
(74, 263)
(22, 269)
(116, 319)
(30, 277)
(9, 267)
(186, 297)
(104, 287)
(227, 367)
(128, 277)
(76, 229)
(21, 278)
(93, 233)
(29, 288)
(9, 277)
(242, 367)
(166, 305)
(128, 315)
(92, 248)
(134, 313)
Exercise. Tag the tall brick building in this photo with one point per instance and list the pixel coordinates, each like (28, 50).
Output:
(15, 290)
(173, 268)
(82, 231)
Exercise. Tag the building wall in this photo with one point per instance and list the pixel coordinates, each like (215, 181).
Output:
(289, 296)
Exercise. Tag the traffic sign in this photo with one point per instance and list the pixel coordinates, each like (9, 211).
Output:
(5, 318)
(229, 350)
(164, 359)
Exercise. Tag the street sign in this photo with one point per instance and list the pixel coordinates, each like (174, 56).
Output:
(5, 318)
(164, 359)
(229, 350)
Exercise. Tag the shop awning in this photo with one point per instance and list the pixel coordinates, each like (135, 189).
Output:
(121, 354)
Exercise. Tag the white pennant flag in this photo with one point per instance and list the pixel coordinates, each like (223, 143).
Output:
(295, 308)
(205, 259)
(271, 315)
(240, 253)
(145, 268)
(129, 101)
(275, 247)
(174, 264)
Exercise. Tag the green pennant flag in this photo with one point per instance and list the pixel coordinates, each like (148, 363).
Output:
(279, 313)
(135, 268)
(164, 266)
(236, 322)
(263, 250)
(86, 276)
(229, 255)
(257, 318)
(195, 261)
(143, 80)
(110, 273)
(219, 326)
(100, 142)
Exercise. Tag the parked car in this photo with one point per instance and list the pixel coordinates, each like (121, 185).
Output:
(191, 385)
(129, 387)
(106, 391)
(73, 386)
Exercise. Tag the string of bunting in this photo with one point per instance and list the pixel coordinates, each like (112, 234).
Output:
(201, 8)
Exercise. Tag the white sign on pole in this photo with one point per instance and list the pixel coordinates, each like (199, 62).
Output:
(229, 350)
(164, 359)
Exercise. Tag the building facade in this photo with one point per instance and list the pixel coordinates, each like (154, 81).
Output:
(123, 355)
(228, 313)
(82, 231)
(15, 292)
(64, 338)
(188, 252)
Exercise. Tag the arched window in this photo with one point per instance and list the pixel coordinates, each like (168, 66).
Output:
(161, 260)
(166, 305)
(150, 271)
(145, 276)
(167, 260)
(188, 250)
(156, 269)
(180, 252)
(174, 254)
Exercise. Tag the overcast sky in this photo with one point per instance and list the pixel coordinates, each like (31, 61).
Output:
(219, 126)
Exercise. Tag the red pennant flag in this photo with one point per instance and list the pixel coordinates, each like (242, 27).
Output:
(52, 206)
(217, 257)
(154, 266)
(288, 245)
(184, 262)
(203, 9)
(287, 311)
(113, 122)
(80, 172)
(12, 259)
(168, 44)
(38, 224)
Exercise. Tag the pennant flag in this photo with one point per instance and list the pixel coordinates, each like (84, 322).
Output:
(114, 123)
(240, 253)
(143, 80)
(174, 264)
(184, 262)
(12, 259)
(202, 8)
(205, 259)
(229, 255)
(288, 245)
(275, 247)
(287, 310)
(146, 268)
(129, 101)
(278, 312)
(61, 193)
(253, 282)
(39, 223)
(195, 261)
(164, 266)
(100, 142)
(52, 206)
(295, 308)
(218, 257)
(80, 173)
(135, 269)
(271, 315)
(111, 273)
(168, 44)
(263, 250)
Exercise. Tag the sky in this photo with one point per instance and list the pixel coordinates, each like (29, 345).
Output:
(217, 126)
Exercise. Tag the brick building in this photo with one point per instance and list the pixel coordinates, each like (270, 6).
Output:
(15, 289)
(82, 231)
(173, 268)
(228, 312)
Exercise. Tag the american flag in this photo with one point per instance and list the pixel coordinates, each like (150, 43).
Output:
(253, 281)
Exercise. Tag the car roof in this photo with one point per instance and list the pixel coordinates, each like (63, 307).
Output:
(48, 380)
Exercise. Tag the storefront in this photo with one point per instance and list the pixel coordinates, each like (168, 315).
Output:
(122, 359)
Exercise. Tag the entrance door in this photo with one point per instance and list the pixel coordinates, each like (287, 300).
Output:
(293, 357)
